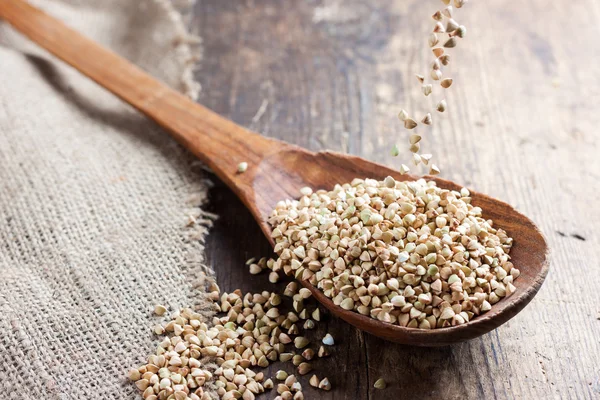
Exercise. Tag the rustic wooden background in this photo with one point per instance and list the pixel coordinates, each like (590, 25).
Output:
(521, 126)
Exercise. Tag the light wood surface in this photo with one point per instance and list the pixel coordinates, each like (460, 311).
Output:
(521, 126)
(278, 170)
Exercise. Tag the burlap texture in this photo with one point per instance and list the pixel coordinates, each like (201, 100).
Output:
(94, 199)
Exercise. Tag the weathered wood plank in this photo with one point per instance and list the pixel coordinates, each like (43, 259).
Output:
(521, 126)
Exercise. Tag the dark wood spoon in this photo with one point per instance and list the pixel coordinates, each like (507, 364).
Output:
(277, 170)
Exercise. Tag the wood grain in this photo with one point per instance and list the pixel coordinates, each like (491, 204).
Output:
(521, 126)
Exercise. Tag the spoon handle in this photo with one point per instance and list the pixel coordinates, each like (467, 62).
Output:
(218, 142)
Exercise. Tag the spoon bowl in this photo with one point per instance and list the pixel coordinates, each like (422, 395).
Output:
(277, 170)
(281, 176)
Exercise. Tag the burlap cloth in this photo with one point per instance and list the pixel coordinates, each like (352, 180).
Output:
(94, 199)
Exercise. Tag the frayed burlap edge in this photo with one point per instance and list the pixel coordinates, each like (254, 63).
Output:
(196, 221)
(188, 45)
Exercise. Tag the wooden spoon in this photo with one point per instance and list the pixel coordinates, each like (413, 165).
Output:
(277, 170)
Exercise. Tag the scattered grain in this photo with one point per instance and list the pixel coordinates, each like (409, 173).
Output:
(324, 384)
(380, 384)
(403, 115)
(281, 375)
(414, 139)
(427, 119)
(160, 310)
(441, 106)
(450, 43)
(410, 123)
(328, 340)
(451, 25)
(242, 167)
(446, 83)
(433, 39)
(427, 89)
(304, 368)
(323, 352)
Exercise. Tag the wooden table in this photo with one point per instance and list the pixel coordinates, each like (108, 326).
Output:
(521, 126)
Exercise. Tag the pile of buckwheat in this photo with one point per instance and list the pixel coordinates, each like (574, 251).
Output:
(200, 359)
(407, 253)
